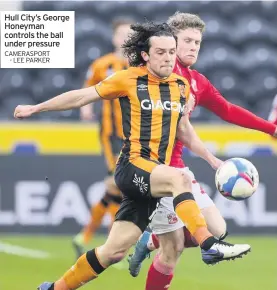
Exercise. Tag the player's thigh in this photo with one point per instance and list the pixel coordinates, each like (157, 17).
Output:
(168, 181)
(215, 222)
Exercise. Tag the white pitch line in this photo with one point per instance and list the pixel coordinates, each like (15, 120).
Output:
(23, 252)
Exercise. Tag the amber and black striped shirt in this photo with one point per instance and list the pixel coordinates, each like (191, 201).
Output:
(151, 110)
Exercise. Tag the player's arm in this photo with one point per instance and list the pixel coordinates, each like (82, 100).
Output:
(212, 100)
(111, 88)
(187, 135)
(66, 101)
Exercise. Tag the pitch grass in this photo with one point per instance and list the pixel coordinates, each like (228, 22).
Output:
(256, 271)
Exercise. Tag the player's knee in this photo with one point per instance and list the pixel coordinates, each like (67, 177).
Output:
(169, 259)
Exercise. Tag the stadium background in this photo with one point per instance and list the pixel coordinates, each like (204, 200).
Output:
(37, 216)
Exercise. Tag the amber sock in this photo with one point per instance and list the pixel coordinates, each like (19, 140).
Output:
(189, 212)
(85, 269)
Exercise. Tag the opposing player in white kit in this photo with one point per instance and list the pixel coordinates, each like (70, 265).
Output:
(165, 220)
(172, 235)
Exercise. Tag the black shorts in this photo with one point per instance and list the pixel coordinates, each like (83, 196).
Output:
(133, 180)
(138, 212)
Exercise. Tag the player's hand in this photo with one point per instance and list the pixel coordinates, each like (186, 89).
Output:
(86, 113)
(216, 163)
(23, 111)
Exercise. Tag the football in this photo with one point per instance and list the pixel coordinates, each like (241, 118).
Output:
(237, 179)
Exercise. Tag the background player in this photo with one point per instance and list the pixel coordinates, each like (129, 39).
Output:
(111, 134)
(189, 29)
(155, 47)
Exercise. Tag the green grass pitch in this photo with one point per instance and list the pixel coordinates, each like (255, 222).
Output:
(256, 271)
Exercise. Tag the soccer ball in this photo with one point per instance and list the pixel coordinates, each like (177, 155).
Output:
(237, 179)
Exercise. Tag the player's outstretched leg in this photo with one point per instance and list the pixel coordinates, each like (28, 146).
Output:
(90, 265)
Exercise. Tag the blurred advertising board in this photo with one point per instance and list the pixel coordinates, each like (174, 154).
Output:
(83, 139)
(59, 204)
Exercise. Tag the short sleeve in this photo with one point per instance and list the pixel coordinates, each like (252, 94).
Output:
(114, 86)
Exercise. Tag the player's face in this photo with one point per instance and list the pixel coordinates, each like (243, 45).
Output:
(189, 41)
(162, 55)
(120, 35)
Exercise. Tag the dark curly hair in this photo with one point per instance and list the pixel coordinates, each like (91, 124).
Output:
(139, 40)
